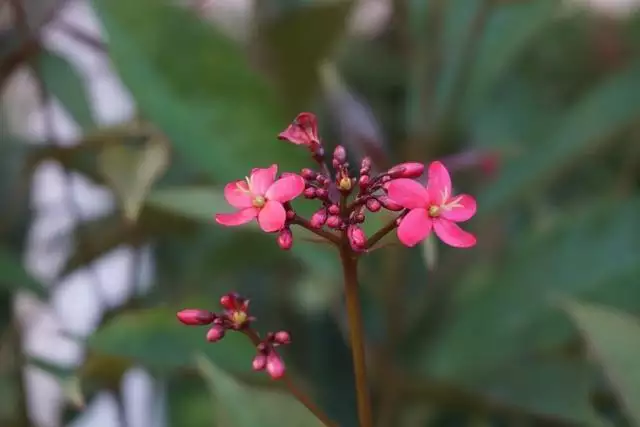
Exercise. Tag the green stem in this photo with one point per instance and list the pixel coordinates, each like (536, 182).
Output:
(356, 329)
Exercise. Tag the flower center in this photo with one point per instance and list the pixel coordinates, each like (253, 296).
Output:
(258, 201)
(238, 318)
(434, 211)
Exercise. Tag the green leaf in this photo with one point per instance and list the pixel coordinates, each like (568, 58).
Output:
(242, 406)
(587, 256)
(608, 109)
(132, 169)
(216, 111)
(67, 85)
(195, 203)
(156, 339)
(553, 389)
(614, 338)
(522, 21)
(298, 41)
(14, 277)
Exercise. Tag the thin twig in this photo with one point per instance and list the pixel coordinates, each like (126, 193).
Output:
(332, 237)
(379, 235)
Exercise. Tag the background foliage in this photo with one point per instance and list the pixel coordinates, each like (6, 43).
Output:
(535, 326)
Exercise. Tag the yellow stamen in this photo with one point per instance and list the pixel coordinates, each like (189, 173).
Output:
(434, 211)
(238, 318)
(258, 201)
(345, 184)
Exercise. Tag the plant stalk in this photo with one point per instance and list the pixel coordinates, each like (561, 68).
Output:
(356, 333)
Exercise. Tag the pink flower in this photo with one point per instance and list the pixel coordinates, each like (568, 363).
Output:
(433, 207)
(261, 196)
(303, 130)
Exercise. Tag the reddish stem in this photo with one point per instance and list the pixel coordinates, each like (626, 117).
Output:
(294, 390)
(333, 238)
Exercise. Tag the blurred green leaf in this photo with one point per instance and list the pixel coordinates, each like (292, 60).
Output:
(215, 110)
(67, 85)
(14, 277)
(132, 170)
(189, 403)
(522, 22)
(554, 389)
(266, 408)
(298, 41)
(608, 109)
(510, 314)
(614, 338)
(195, 203)
(156, 339)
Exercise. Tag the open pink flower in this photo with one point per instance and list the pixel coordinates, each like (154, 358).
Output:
(261, 196)
(432, 207)
(303, 130)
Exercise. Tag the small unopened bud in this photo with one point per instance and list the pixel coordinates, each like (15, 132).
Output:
(364, 180)
(259, 362)
(321, 193)
(194, 317)
(334, 209)
(285, 239)
(365, 166)
(319, 218)
(357, 238)
(275, 366)
(334, 221)
(321, 179)
(291, 214)
(282, 337)
(216, 333)
(373, 205)
(389, 204)
(406, 170)
(308, 174)
(310, 193)
(359, 218)
(340, 154)
(230, 301)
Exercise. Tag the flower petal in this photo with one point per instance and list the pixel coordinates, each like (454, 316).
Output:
(408, 193)
(238, 195)
(460, 208)
(286, 188)
(439, 183)
(237, 218)
(303, 130)
(261, 179)
(272, 216)
(415, 227)
(450, 233)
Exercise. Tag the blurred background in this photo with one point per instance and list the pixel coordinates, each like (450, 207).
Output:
(121, 120)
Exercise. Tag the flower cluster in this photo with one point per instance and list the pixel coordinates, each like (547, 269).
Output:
(345, 197)
(235, 317)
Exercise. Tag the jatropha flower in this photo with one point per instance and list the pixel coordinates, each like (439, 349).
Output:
(235, 317)
(263, 197)
(433, 207)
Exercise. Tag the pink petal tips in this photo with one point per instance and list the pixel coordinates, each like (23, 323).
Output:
(303, 130)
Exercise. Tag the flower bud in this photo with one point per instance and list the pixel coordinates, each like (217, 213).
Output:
(364, 180)
(340, 155)
(216, 333)
(334, 210)
(389, 204)
(334, 221)
(230, 301)
(259, 362)
(406, 170)
(357, 238)
(291, 214)
(195, 317)
(285, 239)
(303, 131)
(319, 218)
(321, 193)
(275, 366)
(365, 166)
(308, 174)
(282, 337)
(309, 193)
(373, 205)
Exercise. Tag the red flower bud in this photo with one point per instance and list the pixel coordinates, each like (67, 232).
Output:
(285, 239)
(308, 174)
(334, 210)
(357, 238)
(373, 205)
(282, 337)
(195, 317)
(275, 366)
(389, 204)
(309, 193)
(340, 155)
(334, 221)
(319, 218)
(216, 333)
(259, 362)
(406, 170)
(364, 181)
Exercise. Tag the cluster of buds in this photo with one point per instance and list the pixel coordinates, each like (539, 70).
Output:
(235, 317)
(345, 197)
